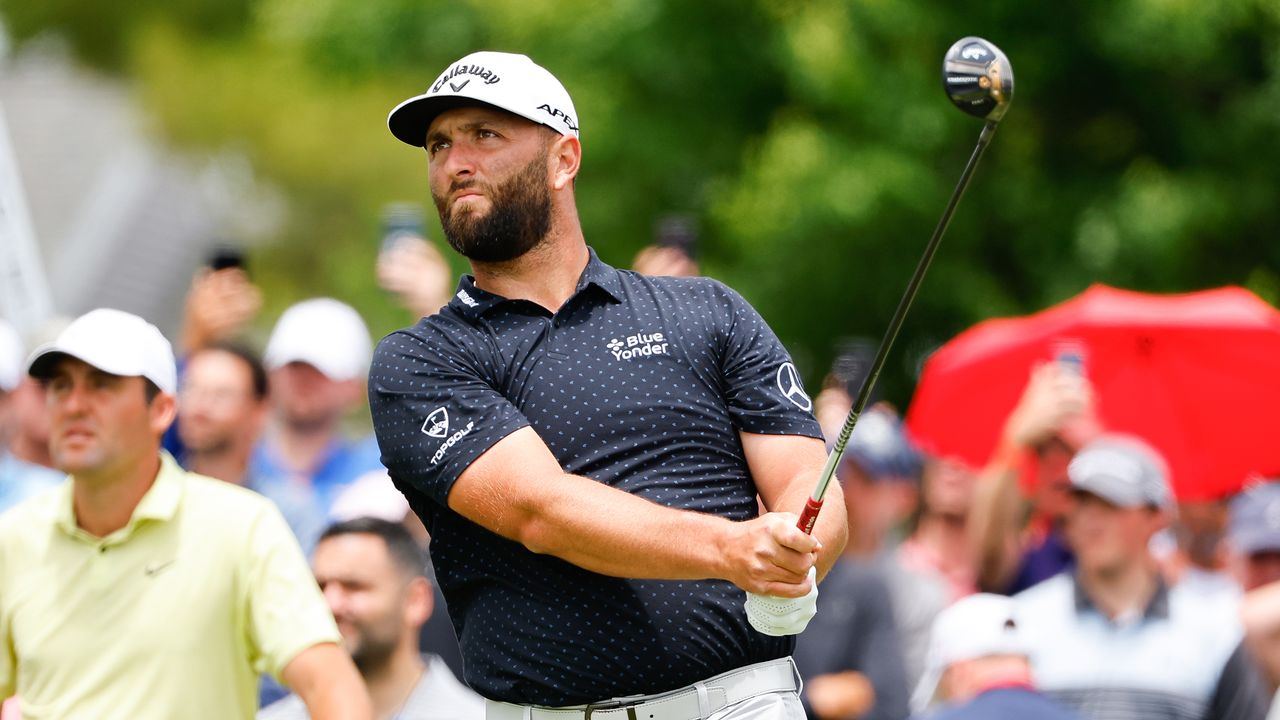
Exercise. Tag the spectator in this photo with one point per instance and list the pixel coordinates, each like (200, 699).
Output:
(372, 573)
(222, 409)
(374, 495)
(1197, 556)
(1254, 540)
(880, 474)
(1254, 534)
(938, 545)
(24, 434)
(412, 269)
(1053, 417)
(1112, 639)
(978, 666)
(220, 304)
(317, 358)
(147, 591)
(673, 251)
(850, 656)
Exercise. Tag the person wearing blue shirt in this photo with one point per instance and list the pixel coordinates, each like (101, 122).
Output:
(317, 357)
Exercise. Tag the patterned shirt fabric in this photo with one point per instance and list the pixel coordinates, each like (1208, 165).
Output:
(1180, 659)
(641, 383)
(437, 696)
(172, 616)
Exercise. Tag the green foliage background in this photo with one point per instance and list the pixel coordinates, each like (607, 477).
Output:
(809, 137)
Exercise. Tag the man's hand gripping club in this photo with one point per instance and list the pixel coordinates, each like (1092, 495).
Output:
(775, 562)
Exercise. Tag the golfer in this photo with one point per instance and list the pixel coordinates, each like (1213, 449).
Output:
(586, 445)
(137, 590)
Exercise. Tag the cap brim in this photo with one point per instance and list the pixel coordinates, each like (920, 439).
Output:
(1252, 543)
(40, 364)
(409, 120)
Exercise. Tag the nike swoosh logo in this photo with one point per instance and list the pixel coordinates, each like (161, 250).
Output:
(154, 568)
(458, 88)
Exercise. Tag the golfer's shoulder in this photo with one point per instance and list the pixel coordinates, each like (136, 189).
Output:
(434, 338)
(694, 292)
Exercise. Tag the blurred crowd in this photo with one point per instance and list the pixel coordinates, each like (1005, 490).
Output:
(1060, 579)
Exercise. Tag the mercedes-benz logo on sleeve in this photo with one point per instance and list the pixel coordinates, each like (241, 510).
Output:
(789, 386)
(437, 423)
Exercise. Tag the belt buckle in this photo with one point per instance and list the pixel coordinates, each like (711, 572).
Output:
(628, 703)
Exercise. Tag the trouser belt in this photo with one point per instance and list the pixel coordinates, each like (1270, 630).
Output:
(696, 701)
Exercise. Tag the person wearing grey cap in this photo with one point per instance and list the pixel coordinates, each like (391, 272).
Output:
(1111, 639)
(136, 589)
(590, 447)
(1253, 536)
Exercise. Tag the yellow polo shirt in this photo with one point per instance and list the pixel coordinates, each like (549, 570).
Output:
(172, 616)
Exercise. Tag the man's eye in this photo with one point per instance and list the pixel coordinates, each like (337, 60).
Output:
(436, 147)
(486, 133)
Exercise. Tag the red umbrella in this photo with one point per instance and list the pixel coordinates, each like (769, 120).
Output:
(1197, 375)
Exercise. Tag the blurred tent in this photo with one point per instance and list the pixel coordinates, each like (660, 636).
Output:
(118, 219)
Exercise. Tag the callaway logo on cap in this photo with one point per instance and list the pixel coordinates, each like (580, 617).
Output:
(504, 80)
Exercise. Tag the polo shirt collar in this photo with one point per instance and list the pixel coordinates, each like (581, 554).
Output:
(1157, 607)
(473, 302)
(160, 504)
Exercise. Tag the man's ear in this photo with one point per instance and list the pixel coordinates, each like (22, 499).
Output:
(419, 602)
(565, 158)
(163, 410)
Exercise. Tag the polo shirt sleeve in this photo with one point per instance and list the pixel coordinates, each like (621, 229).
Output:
(435, 408)
(285, 612)
(8, 661)
(761, 383)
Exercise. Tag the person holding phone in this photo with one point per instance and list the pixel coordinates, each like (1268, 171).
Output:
(409, 265)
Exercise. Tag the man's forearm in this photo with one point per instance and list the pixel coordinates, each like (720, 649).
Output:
(994, 521)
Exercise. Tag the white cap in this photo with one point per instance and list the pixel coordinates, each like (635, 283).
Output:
(12, 357)
(371, 495)
(323, 333)
(504, 80)
(115, 342)
(977, 626)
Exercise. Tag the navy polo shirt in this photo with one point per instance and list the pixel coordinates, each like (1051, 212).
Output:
(641, 383)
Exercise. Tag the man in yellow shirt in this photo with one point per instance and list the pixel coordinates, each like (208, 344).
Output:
(137, 590)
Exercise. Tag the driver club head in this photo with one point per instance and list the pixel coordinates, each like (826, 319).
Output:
(978, 78)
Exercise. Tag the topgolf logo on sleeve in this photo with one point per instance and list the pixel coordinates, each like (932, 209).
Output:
(437, 423)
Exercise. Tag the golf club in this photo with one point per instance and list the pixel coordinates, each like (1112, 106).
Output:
(978, 80)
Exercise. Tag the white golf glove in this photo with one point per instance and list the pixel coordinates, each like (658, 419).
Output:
(783, 616)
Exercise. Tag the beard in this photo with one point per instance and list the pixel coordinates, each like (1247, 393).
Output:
(518, 220)
(371, 648)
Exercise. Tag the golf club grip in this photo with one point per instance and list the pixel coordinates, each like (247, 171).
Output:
(809, 517)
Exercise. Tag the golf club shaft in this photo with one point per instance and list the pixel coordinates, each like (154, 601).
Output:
(810, 514)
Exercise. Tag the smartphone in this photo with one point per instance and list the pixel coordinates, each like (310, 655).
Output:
(401, 220)
(1070, 355)
(679, 232)
(226, 257)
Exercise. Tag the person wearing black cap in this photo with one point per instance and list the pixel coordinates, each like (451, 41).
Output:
(586, 445)
(1112, 639)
